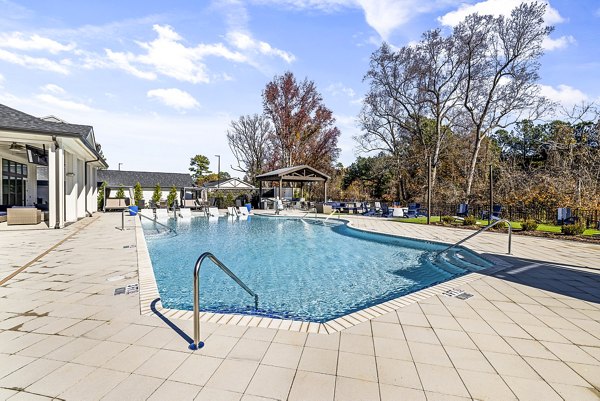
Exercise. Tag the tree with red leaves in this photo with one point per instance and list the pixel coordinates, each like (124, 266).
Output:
(304, 130)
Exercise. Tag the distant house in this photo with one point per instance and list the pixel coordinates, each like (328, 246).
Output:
(148, 181)
(231, 184)
(48, 164)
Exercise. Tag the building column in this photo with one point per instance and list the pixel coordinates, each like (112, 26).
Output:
(81, 189)
(56, 187)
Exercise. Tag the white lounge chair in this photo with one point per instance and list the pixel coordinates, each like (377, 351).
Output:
(243, 211)
(214, 212)
(162, 214)
(185, 213)
(147, 213)
(232, 212)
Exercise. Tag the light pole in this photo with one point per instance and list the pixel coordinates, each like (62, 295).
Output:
(218, 171)
(120, 166)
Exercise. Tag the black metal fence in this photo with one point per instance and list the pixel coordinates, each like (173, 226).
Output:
(540, 214)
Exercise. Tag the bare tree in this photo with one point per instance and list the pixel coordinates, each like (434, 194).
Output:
(248, 140)
(501, 60)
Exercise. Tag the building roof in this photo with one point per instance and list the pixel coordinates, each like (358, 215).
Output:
(230, 183)
(15, 120)
(295, 173)
(147, 179)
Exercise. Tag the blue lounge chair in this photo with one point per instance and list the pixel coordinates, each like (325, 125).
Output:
(413, 210)
(386, 211)
(462, 210)
(369, 211)
(496, 211)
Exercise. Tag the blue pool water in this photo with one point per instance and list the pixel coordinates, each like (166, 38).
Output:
(301, 271)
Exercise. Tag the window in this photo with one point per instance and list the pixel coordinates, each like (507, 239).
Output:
(14, 179)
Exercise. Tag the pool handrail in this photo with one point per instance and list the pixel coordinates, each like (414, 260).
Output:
(331, 214)
(197, 343)
(479, 232)
(146, 217)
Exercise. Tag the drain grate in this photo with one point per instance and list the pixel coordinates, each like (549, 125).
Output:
(128, 246)
(457, 293)
(129, 289)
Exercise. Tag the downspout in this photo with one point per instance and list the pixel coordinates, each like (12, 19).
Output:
(85, 175)
(59, 181)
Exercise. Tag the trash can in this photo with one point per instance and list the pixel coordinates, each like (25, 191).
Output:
(133, 210)
(249, 207)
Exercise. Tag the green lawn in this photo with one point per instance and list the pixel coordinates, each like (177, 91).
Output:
(550, 228)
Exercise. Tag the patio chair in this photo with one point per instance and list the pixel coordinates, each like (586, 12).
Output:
(369, 210)
(386, 211)
(496, 210)
(565, 216)
(243, 211)
(147, 212)
(185, 213)
(214, 212)
(413, 210)
(162, 214)
(462, 210)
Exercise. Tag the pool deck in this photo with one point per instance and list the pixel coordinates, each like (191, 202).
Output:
(531, 331)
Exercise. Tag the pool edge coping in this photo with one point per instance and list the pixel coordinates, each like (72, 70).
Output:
(149, 295)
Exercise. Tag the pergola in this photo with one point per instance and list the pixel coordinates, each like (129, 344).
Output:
(299, 174)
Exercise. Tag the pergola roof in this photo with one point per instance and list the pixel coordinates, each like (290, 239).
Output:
(301, 173)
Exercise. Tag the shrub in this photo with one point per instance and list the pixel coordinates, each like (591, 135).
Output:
(500, 226)
(573, 229)
(138, 193)
(529, 225)
(120, 192)
(469, 221)
(172, 196)
(447, 219)
(101, 191)
(157, 194)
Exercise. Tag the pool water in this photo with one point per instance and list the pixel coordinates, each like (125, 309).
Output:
(301, 271)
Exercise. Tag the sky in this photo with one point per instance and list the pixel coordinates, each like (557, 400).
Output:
(161, 81)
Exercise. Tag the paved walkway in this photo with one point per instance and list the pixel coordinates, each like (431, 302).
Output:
(531, 332)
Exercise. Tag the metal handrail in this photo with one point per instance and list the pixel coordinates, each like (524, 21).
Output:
(331, 214)
(197, 343)
(146, 217)
(479, 232)
(309, 212)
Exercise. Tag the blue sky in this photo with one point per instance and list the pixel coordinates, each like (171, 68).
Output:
(160, 81)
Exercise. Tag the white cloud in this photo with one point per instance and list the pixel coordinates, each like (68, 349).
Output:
(62, 103)
(167, 55)
(122, 61)
(245, 41)
(1, 79)
(338, 89)
(550, 44)
(384, 16)
(39, 63)
(496, 8)
(564, 94)
(52, 88)
(19, 41)
(174, 97)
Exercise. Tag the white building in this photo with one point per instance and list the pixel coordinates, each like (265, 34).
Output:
(147, 179)
(48, 164)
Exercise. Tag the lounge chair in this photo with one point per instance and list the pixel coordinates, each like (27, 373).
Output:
(232, 212)
(185, 213)
(496, 210)
(243, 211)
(147, 212)
(369, 210)
(214, 212)
(386, 211)
(413, 210)
(162, 214)
(462, 210)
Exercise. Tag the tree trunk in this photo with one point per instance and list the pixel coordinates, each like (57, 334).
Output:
(471, 175)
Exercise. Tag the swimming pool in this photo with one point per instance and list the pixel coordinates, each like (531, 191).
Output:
(301, 271)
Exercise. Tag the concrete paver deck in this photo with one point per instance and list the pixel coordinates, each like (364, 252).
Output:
(531, 331)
